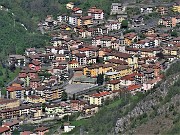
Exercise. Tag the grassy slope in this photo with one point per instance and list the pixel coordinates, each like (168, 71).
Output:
(14, 38)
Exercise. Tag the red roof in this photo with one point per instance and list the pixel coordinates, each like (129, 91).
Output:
(73, 62)
(76, 9)
(22, 75)
(84, 49)
(86, 17)
(95, 10)
(4, 129)
(101, 94)
(26, 133)
(133, 87)
(41, 129)
(131, 76)
(130, 35)
(114, 82)
(14, 88)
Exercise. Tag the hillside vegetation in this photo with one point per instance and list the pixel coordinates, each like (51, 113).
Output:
(14, 38)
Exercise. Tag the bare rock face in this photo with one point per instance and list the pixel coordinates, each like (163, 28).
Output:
(148, 104)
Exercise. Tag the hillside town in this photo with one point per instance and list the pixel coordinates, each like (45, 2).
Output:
(91, 60)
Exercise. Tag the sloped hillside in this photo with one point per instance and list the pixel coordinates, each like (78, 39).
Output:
(14, 37)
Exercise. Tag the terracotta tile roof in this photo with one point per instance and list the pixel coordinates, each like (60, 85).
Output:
(41, 88)
(121, 67)
(26, 133)
(130, 35)
(122, 55)
(133, 87)
(11, 123)
(35, 80)
(14, 88)
(73, 62)
(80, 55)
(41, 129)
(6, 101)
(34, 97)
(76, 9)
(84, 49)
(22, 75)
(86, 17)
(114, 82)
(176, 39)
(95, 10)
(4, 129)
(118, 61)
(101, 94)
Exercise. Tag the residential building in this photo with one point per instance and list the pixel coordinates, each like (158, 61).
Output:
(113, 85)
(81, 58)
(68, 127)
(134, 88)
(9, 103)
(97, 14)
(41, 130)
(90, 110)
(99, 98)
(95, 69)
(130, 38)
(5, 131)
(117, 8)
(86, 20)
(15, 92)
(146, 10)
(17, 60)
(176, 7)
(35, 99)
(73, 64)
(162, 10)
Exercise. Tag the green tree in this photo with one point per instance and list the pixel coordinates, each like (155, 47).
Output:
(64, 96)
(174, 33)
(124, 24)
(6, 73)
(1, 73)
(100, 79)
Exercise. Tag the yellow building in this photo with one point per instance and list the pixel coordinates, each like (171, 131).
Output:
(133, 61)
(90, 110)
(35, 99)
(123, 70)
(94, 70)
(73, 64)
(99, 98)
(112, 76)
(9, 103)
(176, 8)
(15, 92)
(171, 51)
(130, 38)
(113, 85)
(54, 93)
(37, 112)
(86, 20)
